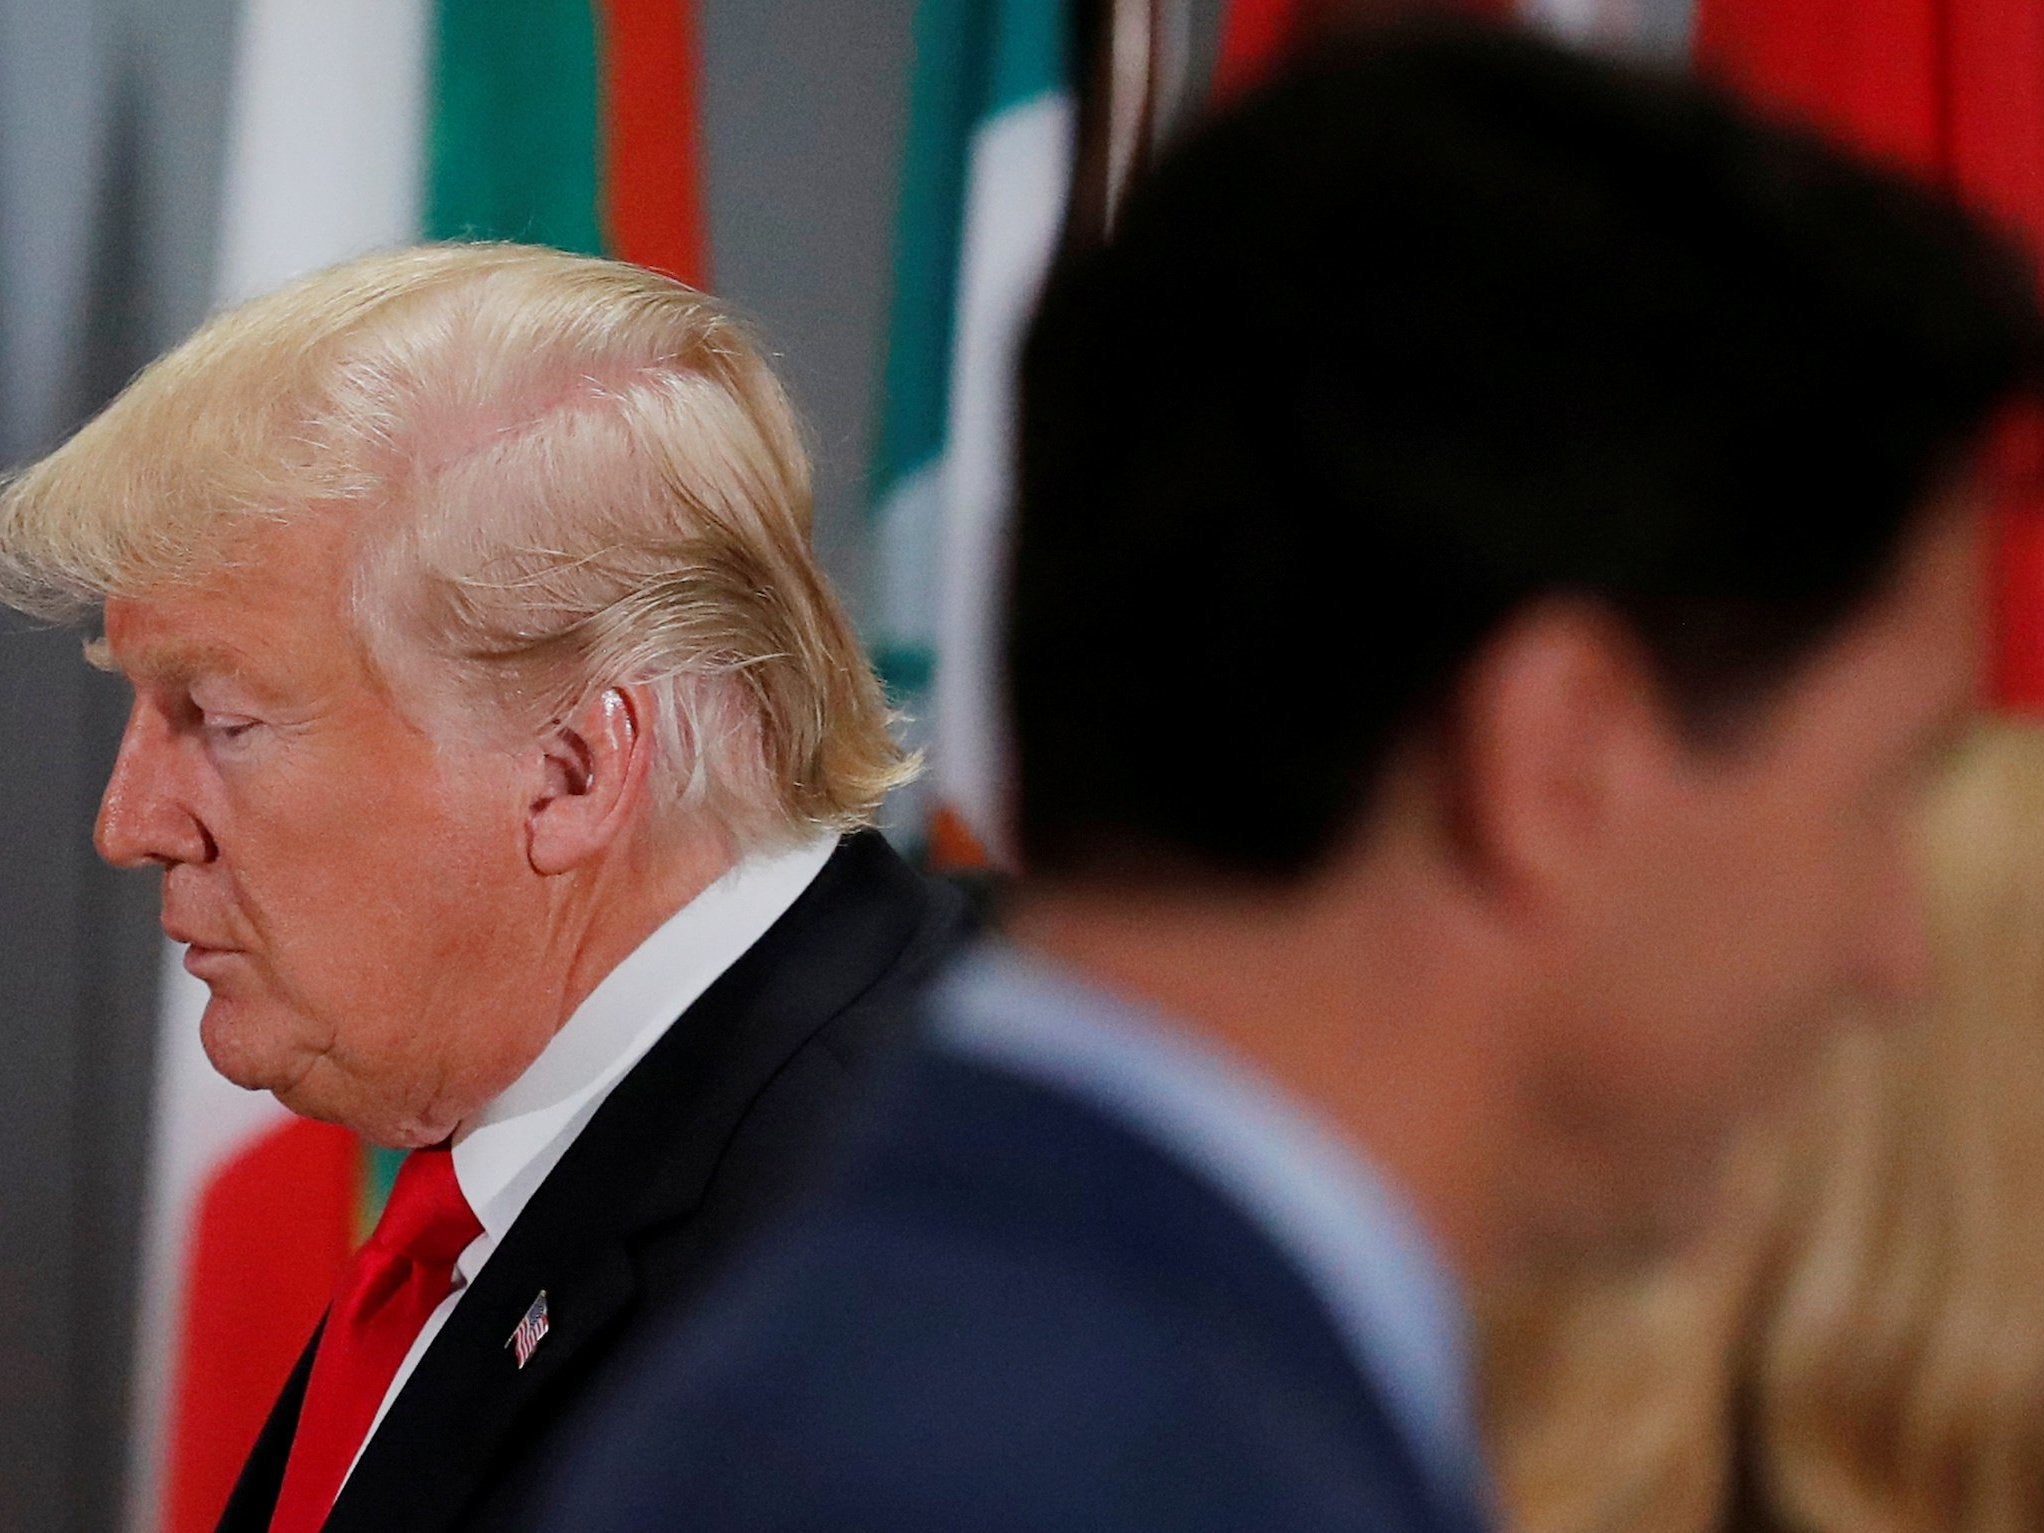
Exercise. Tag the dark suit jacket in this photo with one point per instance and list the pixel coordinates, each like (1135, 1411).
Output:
(1001, 1311)
(686, 1154)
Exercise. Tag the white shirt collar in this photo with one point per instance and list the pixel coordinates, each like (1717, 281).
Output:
(504, 1152)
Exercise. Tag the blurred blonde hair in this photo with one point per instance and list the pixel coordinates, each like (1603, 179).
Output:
(1857, 1343)
(567, 474)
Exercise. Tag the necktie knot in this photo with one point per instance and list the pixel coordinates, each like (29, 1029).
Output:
(426, 1217)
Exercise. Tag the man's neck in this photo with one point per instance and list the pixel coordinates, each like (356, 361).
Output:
(1383, 1037)
(624, 901)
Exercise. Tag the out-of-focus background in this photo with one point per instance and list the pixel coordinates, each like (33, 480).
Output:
(158, 157)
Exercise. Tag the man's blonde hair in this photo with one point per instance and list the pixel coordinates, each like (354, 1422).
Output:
(567, 474)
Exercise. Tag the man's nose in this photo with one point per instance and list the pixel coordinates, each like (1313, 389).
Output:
(144, 815)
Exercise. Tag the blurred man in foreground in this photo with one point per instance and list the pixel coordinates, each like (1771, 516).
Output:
(1499, 558)
(507, 759)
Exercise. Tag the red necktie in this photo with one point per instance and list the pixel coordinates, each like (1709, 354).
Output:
(389, 1289)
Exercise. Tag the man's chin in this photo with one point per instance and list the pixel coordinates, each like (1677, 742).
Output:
(242, 1047)
(1619, 1218)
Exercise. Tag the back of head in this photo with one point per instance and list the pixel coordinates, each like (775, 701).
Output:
(561, 474)
(1444, 323)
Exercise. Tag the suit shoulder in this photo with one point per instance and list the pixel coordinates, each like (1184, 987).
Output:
(875, 1360)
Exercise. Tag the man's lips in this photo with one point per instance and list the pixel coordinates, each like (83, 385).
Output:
(197, 944)
(203, 962)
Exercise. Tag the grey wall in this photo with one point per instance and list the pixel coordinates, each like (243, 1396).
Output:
(109, 123)
(805, 103)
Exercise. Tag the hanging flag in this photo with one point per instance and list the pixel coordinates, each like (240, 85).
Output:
(358, 124)
(1954, 90)
(1256, 35)
(984, 186)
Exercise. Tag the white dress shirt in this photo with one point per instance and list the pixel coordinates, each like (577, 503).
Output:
(504, 1152)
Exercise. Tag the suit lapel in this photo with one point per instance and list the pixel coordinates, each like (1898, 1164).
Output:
(436, 1449)
(638, 1170)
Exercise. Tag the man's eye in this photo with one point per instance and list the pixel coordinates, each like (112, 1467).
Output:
(226, 726)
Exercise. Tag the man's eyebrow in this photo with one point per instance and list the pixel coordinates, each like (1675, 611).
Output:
(172, 666)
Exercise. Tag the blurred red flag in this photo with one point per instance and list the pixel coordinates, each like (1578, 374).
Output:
(1256, 34)
(653, 156)
(1953, 89)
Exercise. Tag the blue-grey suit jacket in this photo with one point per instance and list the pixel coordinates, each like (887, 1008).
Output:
(1002, 1311)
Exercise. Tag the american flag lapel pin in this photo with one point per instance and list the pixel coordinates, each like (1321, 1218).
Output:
(525, 1340)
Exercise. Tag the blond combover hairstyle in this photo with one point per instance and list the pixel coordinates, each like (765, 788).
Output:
(566, 474)
(1857, 1344)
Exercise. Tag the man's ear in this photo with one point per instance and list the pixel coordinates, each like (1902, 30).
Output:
(593, 771)
(1560, 740)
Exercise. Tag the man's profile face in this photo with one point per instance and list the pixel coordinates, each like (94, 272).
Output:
(1770, 892)
(354, 892)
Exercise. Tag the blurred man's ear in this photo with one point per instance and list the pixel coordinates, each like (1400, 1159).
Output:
(1560, 744)
(593, 771)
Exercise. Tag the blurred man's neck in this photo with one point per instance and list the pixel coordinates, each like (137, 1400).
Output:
(1348, 994)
